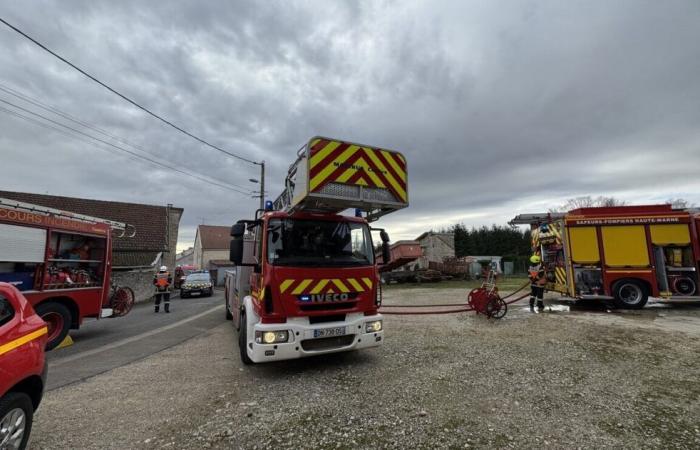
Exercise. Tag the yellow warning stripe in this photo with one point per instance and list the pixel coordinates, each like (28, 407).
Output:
(332, 284)
(560, 275)
(339, 284)
(321, 284)
(387, 174)
(358, 287)
(301, 287)
(330, 168)
(392, 162)
(285, 284)
(324, 152)
(318, 157)
(23, 340)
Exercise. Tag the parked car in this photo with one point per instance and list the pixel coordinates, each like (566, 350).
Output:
(23, 337)
(197, 282)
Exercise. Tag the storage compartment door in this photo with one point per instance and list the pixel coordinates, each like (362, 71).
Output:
(22, 244)
(584, 245)
(625, 246)
(677, 234)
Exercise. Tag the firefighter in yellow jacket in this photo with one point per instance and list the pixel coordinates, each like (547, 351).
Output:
(537, 279)
(162, 281)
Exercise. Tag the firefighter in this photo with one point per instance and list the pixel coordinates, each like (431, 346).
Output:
(162, 281)
(538, 280)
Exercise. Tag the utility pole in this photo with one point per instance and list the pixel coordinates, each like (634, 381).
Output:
(262, 185)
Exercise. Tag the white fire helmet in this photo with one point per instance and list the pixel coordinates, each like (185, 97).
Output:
(163, 268)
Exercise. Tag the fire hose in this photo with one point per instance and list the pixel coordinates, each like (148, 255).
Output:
(482, 300)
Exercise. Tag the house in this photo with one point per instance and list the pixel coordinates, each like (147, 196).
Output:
(185, 257)
(436, 247)
(211, 250)
(212, 242)
(134, 259)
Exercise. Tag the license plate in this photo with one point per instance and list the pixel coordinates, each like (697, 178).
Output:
(329, 332)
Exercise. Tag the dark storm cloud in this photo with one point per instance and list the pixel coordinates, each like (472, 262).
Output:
(500, 107)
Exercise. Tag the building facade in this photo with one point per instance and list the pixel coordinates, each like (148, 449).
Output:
(436, 247)
(211, 243)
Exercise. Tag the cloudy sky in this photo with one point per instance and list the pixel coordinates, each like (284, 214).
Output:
(500, 107)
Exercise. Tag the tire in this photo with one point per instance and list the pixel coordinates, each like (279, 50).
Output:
(229, 316)
(16, 407)
(630, 294)
(58, 318)
(684, 286)
(183, 294)
(243, 341)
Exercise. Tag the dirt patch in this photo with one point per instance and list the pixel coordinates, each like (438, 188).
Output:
(559, 379)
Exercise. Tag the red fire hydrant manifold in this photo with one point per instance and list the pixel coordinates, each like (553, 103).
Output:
(482, 300)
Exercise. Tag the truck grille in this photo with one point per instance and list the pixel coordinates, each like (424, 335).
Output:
(327, 306)
(328, 343)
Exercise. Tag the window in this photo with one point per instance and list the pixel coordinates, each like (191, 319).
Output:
(74, 261)
(298, 242)
(6, 311)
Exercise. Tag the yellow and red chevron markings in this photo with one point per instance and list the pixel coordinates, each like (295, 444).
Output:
(342, 162)
(325, 286)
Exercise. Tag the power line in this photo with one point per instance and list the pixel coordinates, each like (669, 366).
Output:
(73, 119)
(114, 91)
(133, 154)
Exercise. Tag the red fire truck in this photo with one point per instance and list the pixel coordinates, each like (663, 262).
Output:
(306, 279)
(61, 262)
(623, 253)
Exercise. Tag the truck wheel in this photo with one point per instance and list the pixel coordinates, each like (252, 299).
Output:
(630, 294)
(58, 320)
(243, 340)
(16, 415)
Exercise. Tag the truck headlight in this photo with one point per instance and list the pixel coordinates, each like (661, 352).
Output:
(271, 337)
(373, 327)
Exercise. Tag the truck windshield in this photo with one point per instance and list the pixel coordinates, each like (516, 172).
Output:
(318, 243)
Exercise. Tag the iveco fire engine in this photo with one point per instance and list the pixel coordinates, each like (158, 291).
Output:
(306, 279)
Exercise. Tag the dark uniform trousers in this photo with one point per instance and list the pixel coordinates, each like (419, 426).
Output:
(536, 289)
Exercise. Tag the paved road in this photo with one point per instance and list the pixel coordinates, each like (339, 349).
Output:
(109, 343)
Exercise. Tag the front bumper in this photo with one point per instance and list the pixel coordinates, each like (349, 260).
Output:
(302, 342)
(200, 291)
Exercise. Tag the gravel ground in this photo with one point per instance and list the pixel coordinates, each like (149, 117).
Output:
(586, 379)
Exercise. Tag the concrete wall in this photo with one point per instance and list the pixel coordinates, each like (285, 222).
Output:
(141, 281)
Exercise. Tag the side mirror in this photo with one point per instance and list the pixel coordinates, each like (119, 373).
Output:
(384, 235)
(236, 248)
(386, 253)
(238, 230)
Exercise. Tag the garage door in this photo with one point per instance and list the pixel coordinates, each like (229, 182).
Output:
(22, 244)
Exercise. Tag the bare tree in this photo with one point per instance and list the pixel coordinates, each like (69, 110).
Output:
(679, 203)
(587, 202)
